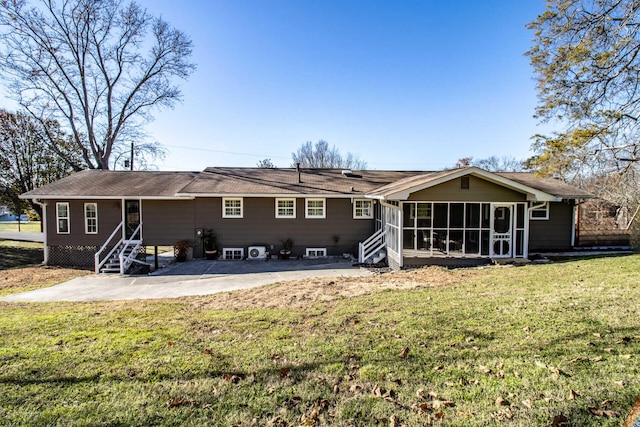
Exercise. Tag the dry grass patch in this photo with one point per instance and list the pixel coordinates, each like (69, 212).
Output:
(29, 278)
(301, 294)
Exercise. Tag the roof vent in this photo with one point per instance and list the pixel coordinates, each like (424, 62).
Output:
(347, 172)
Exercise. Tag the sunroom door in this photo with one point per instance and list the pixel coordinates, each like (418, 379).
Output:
(501, 230)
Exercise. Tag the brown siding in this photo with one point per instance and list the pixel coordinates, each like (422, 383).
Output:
(554, 233)
(165, 222)
(109, 216)
(479, 191)
(259, 226)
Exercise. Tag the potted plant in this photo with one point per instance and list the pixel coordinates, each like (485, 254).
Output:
(181, 250)
(210, 249)
(285, 252)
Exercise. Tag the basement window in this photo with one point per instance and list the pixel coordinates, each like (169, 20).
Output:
(233, 253)
(316, 252)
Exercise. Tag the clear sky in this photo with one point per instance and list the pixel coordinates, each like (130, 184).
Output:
(411, 85)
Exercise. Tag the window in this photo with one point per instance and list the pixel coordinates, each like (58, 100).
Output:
(232, 208)
(285, 208)
(316, 252)
(540, 212)
(62, 217)
(315, 208)
(91, 218)
(363, 209)
(233, 253)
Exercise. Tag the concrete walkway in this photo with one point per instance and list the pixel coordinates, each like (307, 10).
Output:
(22, 236)
(198, 277)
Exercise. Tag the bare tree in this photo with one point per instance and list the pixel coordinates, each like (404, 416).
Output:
(493, 164)
(320, 155)
(266, 164)
(99, 67)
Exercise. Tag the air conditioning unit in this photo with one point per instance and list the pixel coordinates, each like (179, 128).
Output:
(257, 252)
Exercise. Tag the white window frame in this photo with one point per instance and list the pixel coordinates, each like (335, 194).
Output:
(232, 251)
(290, 199)
(227, 211)
(87, 218)
(316, 252)
(64, 218)
(324, 208)
(542, 208)
(358, 212)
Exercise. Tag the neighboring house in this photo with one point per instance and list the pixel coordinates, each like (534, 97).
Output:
(413, 218)
(6, 216)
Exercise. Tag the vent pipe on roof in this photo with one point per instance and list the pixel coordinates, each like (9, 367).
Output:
(298, 170)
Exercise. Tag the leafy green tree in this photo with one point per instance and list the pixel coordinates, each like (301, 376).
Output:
(26, 159)
(97, 67)
(585, 56)
(320, 155)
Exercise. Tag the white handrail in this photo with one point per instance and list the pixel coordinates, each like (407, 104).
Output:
(135, 245)
(376, 240)
(98, 264)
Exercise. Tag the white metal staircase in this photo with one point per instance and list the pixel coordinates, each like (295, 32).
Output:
(372, 250)
(122, 254)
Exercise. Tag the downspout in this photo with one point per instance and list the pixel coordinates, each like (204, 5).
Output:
(43, 205)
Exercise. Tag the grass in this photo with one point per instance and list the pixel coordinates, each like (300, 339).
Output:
(17, 254)
(32, 226)
(553, 344)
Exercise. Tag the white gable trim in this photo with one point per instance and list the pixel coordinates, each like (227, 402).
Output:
(532, 193)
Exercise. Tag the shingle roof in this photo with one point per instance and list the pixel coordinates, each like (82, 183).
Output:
(258, 181)
(96, 183)
(261, 181)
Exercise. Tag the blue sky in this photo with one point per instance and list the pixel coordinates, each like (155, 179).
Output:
(411, 85)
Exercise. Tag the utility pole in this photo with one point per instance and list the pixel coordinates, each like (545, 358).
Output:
(131, 163)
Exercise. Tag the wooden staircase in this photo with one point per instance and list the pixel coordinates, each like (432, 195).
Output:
(122, 254)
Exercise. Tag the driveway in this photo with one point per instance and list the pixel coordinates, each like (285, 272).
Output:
(197, 277)
(22, 236)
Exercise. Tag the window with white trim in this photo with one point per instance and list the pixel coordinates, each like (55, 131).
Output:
(233, 253)
(315, 208)
(285, 208)
(363, 209)
(316, 252)
(91, 218)
(62, 217)
(539, 212)
(232, 207)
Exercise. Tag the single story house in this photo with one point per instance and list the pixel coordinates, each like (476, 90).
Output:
(412, 218)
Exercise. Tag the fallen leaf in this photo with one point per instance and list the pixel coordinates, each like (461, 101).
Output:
(500, 401)
(597, 359)
(420, 393)
(579, 359)
(573, 394)
(484, 369)
(284, 372)
(626, 356)
(437, 404)
(439, 368)
(606, 403)
(424, 407)
(405, 352)
(600, 413)
(439, 415)
(376, 391)
(394, 421)
(171, 343)
(597, 335)
(179, 401)
(559, 421)
(528, 403)
(608, 350)
(620, 383)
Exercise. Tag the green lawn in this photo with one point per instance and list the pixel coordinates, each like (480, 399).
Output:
(539, 345)
(33, 226)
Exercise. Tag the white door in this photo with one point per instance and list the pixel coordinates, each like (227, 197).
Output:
(501, 230)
